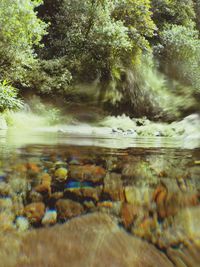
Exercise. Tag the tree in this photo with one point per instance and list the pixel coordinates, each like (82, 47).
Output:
(21, 30)
(181, 54)
(180, 12)
(85, 33)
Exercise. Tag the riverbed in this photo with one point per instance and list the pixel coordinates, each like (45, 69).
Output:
(134, 192)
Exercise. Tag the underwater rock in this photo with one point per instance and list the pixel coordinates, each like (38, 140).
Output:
(5, 204)
(92, 192)
(6, 221)
(110, 207)
(33, 169)
(87, 172)
(113, 186)
(5, 189)
(138, 195)
(34, 212)
(128, 214)
(45, 186)
(187, 256)
(179, 229)
(67, 209)
(61, 174)
(35, 196)
(50, 217)
(56, 195)
(22, 223)
(145, 226)
(91, 240)
(105, 204)
(169, 203)
(188, 220)
(89, 204)
(18, 206)
(19, 186)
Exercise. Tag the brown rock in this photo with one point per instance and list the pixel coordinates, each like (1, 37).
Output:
(18, 206)
(6, 221)
(56, 195)
(68, 208)
(91, 192)
(35, 196)
(114, 187)
(128, 214)
(45, 185)
(5, 189)
(34, 212)
(87, 172)
(92, 240)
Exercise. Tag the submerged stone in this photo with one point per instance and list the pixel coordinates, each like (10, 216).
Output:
(92, 240)
(61, 174)
(87, 172)
(50, 217)
(22, 223)
(34, 212)
(67, 209)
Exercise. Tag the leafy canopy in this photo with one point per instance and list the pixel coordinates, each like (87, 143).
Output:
(21, 29)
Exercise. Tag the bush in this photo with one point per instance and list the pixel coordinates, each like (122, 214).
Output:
(48, 77)
(8, 97)
(181, 54)
(21, 31)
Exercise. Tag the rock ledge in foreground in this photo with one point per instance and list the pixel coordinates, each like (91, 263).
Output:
(93, 240)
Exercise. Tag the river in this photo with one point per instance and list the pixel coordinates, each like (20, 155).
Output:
(150, 188)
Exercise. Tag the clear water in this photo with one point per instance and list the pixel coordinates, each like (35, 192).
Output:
(151, 186)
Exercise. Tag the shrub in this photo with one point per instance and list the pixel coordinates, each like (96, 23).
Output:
(8, 97)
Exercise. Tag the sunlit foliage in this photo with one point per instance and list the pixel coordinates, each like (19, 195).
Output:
(106, 42)
(20, 31)
(8, 97)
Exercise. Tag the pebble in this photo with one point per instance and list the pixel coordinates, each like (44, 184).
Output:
(5, 189)
(92, 192)
(114, 187)
(50, 217)
(87, 172)
(22, 224)
(61, 174)
(34, 212)
(5, 204)
(18, 206)
(45, 185)
(128, 214)
(138, 195)
(19, 185)
(89, 204)
(35, 196)
(6, 221)
(67, 209)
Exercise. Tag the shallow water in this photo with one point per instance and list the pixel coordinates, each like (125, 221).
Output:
(150, 186)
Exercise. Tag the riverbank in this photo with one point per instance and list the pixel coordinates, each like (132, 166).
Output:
(123, 129)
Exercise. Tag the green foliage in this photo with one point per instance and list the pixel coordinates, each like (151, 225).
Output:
(48, 77)
(136, 16)
(20, 31)
(180, 12)
(8, 97)
(181, 54)
(197, 12)
(86, 34)
(95, 36)
(103, 42)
